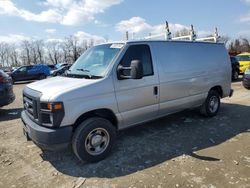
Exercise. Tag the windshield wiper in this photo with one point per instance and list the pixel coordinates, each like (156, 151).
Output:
(85, 70)
(87, 76)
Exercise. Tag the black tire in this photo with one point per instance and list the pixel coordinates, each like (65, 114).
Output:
(235, 75)
(42, 76)
(245, 86)
(207, 109)
(81, 139)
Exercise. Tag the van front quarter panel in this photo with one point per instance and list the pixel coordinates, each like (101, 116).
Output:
(92, 97)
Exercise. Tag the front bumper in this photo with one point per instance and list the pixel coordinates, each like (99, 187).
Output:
(46, 138)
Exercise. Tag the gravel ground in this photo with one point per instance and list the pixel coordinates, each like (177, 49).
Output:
(181, 150)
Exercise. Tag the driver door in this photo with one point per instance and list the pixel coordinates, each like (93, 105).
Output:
(138, 100)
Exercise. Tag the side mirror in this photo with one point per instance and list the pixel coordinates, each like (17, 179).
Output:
(136, 71)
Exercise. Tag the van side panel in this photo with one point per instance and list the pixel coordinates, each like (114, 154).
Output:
(187, 72)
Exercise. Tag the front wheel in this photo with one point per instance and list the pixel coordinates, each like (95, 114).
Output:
(93, 139)
(211, 106)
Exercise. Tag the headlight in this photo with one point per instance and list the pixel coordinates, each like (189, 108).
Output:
(52, 114)
(247, 71)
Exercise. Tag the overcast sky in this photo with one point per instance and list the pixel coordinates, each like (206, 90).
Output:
(110, 19)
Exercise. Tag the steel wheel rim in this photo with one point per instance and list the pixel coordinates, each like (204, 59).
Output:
(213, 104)
(97, 141)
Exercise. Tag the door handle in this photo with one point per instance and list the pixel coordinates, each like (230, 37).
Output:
(156, 90)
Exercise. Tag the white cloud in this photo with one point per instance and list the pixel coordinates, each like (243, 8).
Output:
(139, 25)
(80, 35)
(66, 12)
(133, 25)
(8, 7)
(246, 1)
(245, 18)
(59, 3)
(14, 38)
(51, 15)
(85, 11)
(244, 33)
(83, 36)
(50, 31)
(54, 40)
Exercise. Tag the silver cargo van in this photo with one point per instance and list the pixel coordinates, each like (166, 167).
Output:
(117, 85)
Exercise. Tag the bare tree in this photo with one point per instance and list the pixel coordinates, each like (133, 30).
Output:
(39, 46)
(182, 32)
(2, 53)
(238, 46)
(14, 55)
(54, 52)
(73, 45)
(26, 52)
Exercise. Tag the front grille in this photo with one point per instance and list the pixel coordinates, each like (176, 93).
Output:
(31, 104)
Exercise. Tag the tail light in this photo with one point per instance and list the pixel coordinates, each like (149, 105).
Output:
(2, 79)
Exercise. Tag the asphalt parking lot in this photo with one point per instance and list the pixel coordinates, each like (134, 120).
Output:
(181, 150)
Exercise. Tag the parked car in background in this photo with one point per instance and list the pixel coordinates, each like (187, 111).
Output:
(14, 68)
(61, 70)
(6, 69)
(52, 67)
(6, 89)
(30, 72)
(244, 60)
(235, 68)
(58, 66)
(246, 79)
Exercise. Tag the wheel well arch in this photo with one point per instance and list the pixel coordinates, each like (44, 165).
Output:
(218, 89)
(104, 113)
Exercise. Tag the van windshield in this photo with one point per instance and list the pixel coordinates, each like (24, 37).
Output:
(95, 61)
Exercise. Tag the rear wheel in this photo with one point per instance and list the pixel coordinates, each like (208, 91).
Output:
(211, 106)
(93, 139)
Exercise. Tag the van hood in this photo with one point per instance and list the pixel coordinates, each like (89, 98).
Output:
(58, 85)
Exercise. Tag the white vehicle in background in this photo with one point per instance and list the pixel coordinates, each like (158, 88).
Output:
(114, 86)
